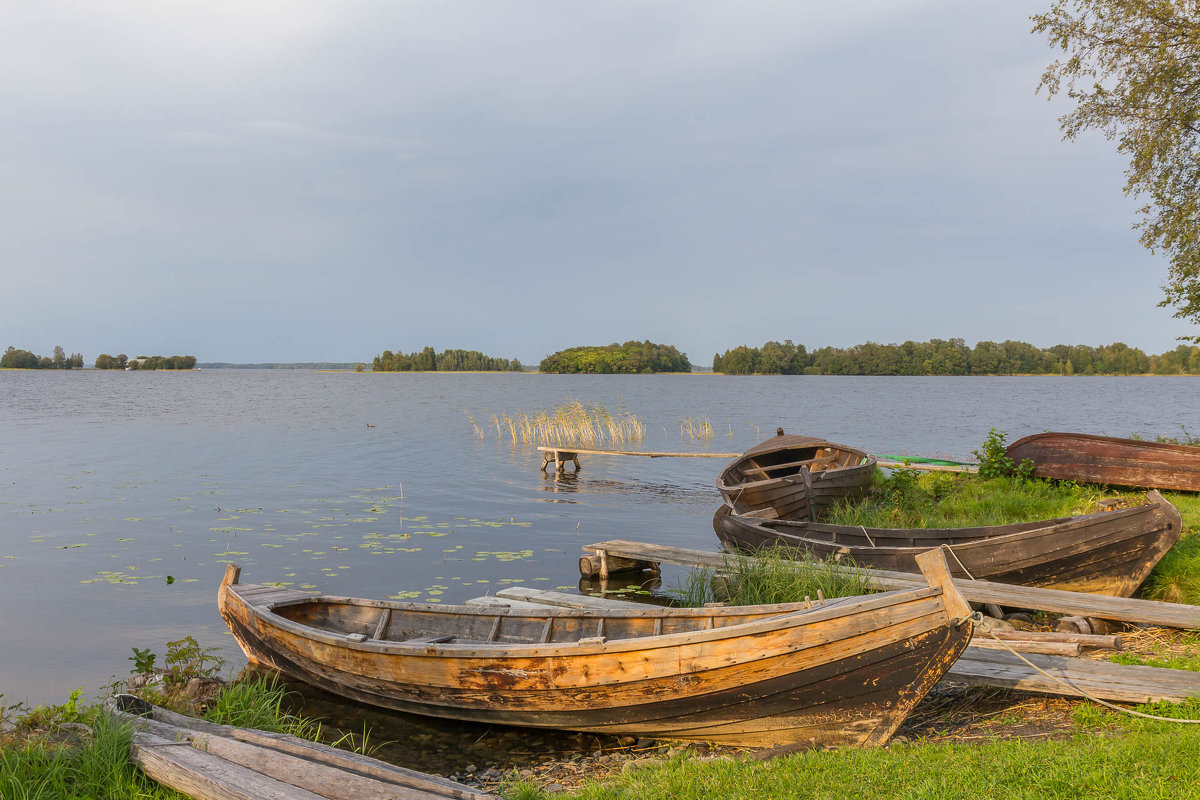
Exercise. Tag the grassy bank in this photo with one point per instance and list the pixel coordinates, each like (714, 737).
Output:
(77, 750)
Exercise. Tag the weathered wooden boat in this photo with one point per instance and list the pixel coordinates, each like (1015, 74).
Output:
(846, 671)
(1108, 552)
(219, 762)
(795, 477)
(1086, 458)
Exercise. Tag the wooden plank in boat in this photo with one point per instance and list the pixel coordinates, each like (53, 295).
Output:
(538, 597)
(1171, 615)
(492, 601)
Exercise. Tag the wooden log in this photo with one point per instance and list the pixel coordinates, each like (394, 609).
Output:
(1086, 640)
(1047, 648)
(1125, 609)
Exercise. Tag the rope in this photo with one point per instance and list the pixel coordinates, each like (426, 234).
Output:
(977, 617)
(950, 550)
(864, 530)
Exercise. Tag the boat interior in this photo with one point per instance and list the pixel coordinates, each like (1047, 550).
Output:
(362, 620)
(789, 461)
(798, 533)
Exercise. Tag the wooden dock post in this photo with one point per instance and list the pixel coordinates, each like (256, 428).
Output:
(559, 457)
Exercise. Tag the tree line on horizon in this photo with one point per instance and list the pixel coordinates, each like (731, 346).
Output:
(955, 357)
(446, 361)
(24, 359)
(122, 361)
(629, 358)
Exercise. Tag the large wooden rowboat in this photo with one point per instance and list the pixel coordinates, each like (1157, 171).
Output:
(1109, 552)
(795, 477)
(845, 672)
(219, 762)
(1108, 460)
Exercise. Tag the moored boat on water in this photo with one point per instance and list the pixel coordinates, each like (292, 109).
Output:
(1108, 552)
(844, 672)
(1086, 458)
(795, 477)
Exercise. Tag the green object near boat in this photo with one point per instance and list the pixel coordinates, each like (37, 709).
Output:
(922, 460)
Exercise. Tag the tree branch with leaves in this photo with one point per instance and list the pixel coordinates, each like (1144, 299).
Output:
(1132, 68)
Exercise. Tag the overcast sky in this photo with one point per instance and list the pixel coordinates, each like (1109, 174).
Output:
(297, 181)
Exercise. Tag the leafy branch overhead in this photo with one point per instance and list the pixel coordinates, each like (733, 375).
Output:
(1132, 67)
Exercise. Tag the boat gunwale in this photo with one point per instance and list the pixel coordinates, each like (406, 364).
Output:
(795, 617)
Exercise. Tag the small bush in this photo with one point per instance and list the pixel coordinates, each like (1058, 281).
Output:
(994, 461)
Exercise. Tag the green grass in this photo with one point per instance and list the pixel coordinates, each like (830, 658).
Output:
(97, 768)
(909, 499)
(779, 575)
(42, 757)
(1145, 764)
(1176, 579)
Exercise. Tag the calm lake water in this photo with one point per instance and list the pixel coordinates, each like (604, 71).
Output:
(376, 485)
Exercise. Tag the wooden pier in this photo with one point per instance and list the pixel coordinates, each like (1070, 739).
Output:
(980, 664)
(559, 456)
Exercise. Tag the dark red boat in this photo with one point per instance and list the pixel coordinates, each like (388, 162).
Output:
(1108, 460)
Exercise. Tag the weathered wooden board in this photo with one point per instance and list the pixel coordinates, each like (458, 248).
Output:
(1124, 609)
(1108, 681)
(217, 762)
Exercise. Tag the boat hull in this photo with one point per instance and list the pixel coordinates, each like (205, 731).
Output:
(1108, 552)
(1086, 458)
(846, 674)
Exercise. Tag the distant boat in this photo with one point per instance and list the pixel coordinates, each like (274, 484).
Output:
(795, 477)
(1109, 552)
(206, 761)
(845, 671)
(1086, 458)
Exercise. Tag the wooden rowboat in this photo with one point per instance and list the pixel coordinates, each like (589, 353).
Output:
(843, 672)
(1109, 552)
(219, 762)
(1108, 460)
(795, 477)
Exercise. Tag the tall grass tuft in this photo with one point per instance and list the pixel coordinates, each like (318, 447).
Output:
(777, 575)
(572, 423)
(258, 703)
(699, 428)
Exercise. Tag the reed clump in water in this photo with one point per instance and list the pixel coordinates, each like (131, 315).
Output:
(572, 423)
(775, 575)
(699, 428)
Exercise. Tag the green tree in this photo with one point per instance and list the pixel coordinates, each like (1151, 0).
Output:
(1133, 71)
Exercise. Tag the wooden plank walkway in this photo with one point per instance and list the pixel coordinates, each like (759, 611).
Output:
(978, 666)
(561, 455)
(1124, 609)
